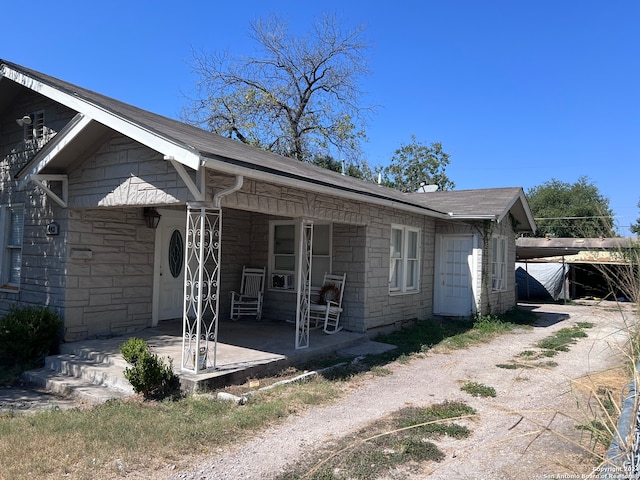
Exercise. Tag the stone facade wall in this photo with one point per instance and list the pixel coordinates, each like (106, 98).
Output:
(109, 273)
(123, 172)
(500, 301)
(99, 270)
(361, 240)
(42, 276)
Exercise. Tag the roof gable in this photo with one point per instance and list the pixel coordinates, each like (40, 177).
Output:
(483, 204)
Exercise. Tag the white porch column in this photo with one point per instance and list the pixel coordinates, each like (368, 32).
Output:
(201, 288)
(303, 288)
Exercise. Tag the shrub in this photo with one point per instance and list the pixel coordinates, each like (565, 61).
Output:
(148, 374)
(30, 333)
(133, 349)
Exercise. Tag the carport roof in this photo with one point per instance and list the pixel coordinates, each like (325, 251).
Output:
(528, 248)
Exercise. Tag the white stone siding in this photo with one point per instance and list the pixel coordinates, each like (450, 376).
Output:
(123, 172)
(109, 273)
(501, 301)
(361, 239)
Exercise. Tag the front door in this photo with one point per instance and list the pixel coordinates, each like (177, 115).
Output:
(169, 266)
(454, 279)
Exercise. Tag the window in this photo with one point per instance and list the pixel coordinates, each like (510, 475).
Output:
(404, 265)
(498, 263)
(283, 244)
(12, 219)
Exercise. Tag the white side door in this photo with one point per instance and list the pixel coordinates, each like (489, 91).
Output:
(454, 280)
(168, 285)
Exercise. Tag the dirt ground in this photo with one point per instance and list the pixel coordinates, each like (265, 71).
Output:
(529, 430)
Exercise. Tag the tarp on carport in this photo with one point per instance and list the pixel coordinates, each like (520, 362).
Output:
(541, 281)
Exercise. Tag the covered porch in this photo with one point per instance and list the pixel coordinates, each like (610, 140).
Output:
(214, 258)
(245, 349)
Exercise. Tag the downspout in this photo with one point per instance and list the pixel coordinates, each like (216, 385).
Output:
(226, 191)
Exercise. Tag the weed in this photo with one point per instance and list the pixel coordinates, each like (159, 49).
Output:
(380, 371)
(400, 439)
(527, 354)
(507, 366)
(485, 327)
(560, 341)
(478, 390)
(584, 325)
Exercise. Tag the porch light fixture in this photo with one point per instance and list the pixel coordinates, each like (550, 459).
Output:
(151, 217)
(25, 120)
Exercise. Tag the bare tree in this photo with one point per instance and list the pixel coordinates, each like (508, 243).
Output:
(298, 96)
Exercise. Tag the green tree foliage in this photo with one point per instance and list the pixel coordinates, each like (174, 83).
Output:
(297, 96)
(571, 210)
(363, 172)
(635, 228)
(415, 164)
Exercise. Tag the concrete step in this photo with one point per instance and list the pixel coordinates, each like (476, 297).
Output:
(86, 374)
(93, 353)
(108, 374)
(78, 388)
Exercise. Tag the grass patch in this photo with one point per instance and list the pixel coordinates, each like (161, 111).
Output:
(405, 438)
(584, 325)
(549, 347)
(602, 426)
(478, 390)
(507, 366)
(84, 444)
(486, 327)
(528, 354)
(562, 339)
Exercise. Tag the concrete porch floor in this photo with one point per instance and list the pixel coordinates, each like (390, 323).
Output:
(245, 349)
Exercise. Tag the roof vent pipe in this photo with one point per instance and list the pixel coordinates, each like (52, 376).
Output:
(226, 191)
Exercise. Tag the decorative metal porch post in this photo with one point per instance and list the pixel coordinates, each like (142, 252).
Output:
(201, 288)
(303, 289)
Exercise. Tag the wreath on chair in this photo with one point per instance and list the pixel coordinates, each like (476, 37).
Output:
(329, 293)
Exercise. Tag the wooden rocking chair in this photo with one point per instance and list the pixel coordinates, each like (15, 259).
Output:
(326, 309)
(248, 302)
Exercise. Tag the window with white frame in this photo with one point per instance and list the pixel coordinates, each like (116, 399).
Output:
(12, 220)
(404, 264)
(498, 262)
(283, 245)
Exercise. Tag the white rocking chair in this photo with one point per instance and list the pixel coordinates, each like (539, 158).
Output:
(248, 302)
(326, 309)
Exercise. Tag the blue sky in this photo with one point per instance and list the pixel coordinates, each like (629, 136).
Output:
(518, 92)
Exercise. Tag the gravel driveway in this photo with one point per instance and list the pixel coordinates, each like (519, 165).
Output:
(527, 431)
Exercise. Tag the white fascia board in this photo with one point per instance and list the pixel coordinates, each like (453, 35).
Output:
(224, 167)
(525, 206)
(55, 145)
(455, 216)
(182, 153)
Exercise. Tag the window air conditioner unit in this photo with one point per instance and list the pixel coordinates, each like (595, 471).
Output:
(282, 280)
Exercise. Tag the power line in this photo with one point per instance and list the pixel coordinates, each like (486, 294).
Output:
(602, 217)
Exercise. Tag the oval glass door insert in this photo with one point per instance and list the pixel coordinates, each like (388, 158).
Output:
(176, 253)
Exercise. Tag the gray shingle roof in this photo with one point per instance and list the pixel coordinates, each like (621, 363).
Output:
(224, 151)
